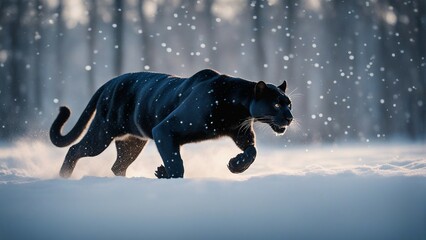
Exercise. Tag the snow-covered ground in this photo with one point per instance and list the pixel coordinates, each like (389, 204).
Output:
(41, 160)
(361, 191)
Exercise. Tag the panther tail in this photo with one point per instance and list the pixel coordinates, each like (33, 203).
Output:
(60, 140)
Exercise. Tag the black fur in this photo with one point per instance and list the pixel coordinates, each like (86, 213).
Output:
(173, 111)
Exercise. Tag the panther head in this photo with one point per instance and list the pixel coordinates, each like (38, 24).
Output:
(270, 105)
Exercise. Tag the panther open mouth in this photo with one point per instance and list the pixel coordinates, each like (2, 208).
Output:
(278, 129)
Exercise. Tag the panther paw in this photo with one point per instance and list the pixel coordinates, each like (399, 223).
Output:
(240, 163)
(161, 172)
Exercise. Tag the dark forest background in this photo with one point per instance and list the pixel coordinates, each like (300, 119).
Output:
(356, 69)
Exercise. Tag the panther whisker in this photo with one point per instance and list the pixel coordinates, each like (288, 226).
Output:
(296, 124)
(292, 94)
(245, 125)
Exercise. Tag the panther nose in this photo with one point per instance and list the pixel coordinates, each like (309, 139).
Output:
(289, 119)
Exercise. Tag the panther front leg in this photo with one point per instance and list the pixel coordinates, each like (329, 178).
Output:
(245, 141)
(169, 152)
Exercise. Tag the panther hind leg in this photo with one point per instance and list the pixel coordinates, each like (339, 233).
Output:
(127, 151)
(92, 144)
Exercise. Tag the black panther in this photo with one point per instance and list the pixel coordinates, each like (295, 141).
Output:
(135, 107)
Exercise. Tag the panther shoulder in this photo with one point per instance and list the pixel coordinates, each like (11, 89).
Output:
(205, 74)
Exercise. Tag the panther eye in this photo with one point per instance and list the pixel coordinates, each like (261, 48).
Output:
(277, 105)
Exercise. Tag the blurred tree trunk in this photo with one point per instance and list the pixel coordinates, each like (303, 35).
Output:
(367, 85)
(118, 20)
(146, 45)
(190, 36)
(340, 29)
(421, 65)
(162, 64)
(413, 47)
(399, 76)
(18, 100)
(329, 56)
(288, 8)
(59, 81)
(356, 69)
(38, 36)
(260, 56)
(385, 85)
(92, 45)
(210, 32)
(4, 98)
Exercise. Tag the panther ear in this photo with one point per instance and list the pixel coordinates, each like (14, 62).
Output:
(283, 86)
(259, 89)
